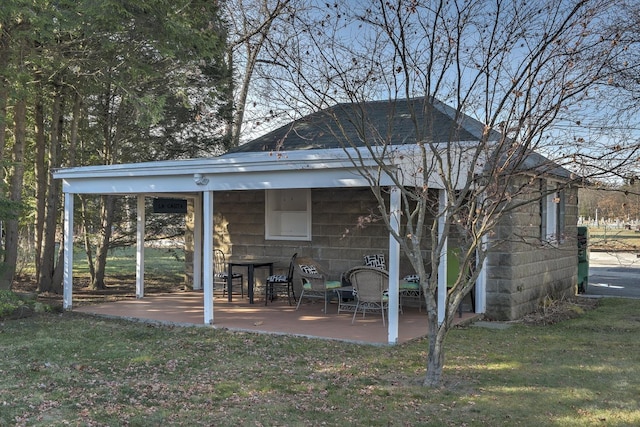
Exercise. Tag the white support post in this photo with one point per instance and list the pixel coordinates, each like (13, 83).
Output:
(67, 297)
(207, 263)
(442, 266)
(140, 228)
(394, 266)
(481, 282)
(197, 243)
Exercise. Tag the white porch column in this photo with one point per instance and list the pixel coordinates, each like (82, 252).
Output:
(394, 266)
(67, 297)
(481, 283)
(140, 227)
(442, 267)
(197, 243)
(207, 253)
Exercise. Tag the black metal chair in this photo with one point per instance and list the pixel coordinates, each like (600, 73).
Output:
(220, 275)
(280, 282)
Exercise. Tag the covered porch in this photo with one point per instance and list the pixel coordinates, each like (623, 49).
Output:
(278, 318)
(205, 181)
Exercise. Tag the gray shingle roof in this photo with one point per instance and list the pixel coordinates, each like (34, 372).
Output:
(389, 122)
(375, 122)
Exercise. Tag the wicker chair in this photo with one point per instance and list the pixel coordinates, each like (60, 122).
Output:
(314, 281)
(370, 287)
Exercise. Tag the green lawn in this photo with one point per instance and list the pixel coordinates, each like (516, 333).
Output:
(614, 239)
(122, 261)
(74, 370)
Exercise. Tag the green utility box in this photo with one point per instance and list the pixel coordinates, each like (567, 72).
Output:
(583, 259)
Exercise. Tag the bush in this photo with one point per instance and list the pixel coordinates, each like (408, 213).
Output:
(15, 305)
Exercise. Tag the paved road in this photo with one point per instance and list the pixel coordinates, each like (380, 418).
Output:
(614, 274)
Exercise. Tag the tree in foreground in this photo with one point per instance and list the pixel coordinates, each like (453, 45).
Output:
(536, 74)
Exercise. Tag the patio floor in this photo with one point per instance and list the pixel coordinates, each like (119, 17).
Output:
(186, 308)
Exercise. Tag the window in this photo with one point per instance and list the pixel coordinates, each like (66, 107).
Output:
(288, 214)
(552, 214)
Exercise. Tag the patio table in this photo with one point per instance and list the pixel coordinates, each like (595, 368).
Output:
(251, 265)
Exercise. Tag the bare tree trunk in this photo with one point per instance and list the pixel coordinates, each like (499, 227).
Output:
(251, 34)
(75, 125)
(12, 231)
(106, 220)
(4, 284)
(435, 354)
(58, 271)
(3, 116)
(71, 157)
(4, 93)
(87, 240)
(48, 252)
(41, 180)
(3, 119)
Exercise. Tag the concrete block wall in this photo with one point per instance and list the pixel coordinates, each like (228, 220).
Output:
(522, 271)
(338, 243)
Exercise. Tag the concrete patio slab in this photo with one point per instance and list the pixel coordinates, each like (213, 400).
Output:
(186, 309)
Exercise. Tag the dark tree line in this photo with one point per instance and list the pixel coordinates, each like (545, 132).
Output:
(84, 82)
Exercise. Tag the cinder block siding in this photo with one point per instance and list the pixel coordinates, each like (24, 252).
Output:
(521, 272)
(337, 240)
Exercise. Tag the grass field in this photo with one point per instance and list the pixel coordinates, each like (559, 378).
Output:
(610, 238)
(68, 369)
(122, 261)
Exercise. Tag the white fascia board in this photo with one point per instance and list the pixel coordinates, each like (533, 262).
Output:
(162, 184)
(228, 163)
(329, 168)
(246, 171)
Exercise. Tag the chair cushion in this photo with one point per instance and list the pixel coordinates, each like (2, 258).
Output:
(377, 261)
(385, 294)
(278, 278)
(333, 284)
(409, 286)
(329, 284)
(308, 269)
(224, 275)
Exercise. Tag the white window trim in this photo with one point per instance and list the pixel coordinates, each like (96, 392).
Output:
(552, 218)
(553, 213)
(298, 221)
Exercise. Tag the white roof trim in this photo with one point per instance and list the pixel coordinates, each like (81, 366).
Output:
(238, 162)
(237, 171)
(325, 168)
